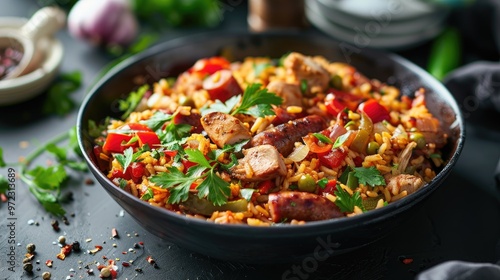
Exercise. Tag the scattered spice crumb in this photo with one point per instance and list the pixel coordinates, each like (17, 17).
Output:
(55, 225)
(125, 264)
(48, 263)
(31, 222)
(65, 251)
(114, 233)
(89, 182)
(114, 245)
(46, 275)
(30, 248)
(76, 246)
(138, 270)
(28, 267)
(65, 219)
(62, 239)
(88, 240)
(151, 261)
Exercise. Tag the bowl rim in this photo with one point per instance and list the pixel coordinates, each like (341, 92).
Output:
(372, 216)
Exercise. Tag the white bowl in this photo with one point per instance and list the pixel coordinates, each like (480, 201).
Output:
(27, 86)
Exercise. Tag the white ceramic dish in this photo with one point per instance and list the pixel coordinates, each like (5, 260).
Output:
(401, 9)
(384, 23)
(362, 39)
(27, 86)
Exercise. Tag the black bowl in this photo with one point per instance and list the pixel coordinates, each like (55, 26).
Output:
(283, 242)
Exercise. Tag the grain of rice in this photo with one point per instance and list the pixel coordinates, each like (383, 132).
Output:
(399, 196)
(383, 148)
(258, 122)
(159, 168)
(262, 211)
(371, 193)
(347, 189)
(327, 171)
(380, 204)
(294, 109)
(373, 158)
(387, 194)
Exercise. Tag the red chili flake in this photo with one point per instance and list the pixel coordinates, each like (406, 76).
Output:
(141, 243)
(66, 250)
(97, 249)
(113, 273)
(104, 257)
(48, 263)
(55, 225)
(89, 182)
(407, 261)
(152, 261)
(125, 264)
(124, 253)
(114, 233)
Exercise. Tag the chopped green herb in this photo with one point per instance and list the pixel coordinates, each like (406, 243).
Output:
(48, 178)
(293, 204)
(435, 156)
(323, 138)
(60, 153)
(157, 120)
(213, 187)
(255, 101)
(131, 141)
(346, 202)
(322, 182)
(369, 176)
(127, 158)
(134, 98)
(148, 195)
(345, 175)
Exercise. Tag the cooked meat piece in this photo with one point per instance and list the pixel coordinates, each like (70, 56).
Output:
(259, 164)
(404, 182)
(193, 119)
(282, 116)
(284, 136)
(224, 129)
(301, 206)
(302, 67)
(289, 92)
(430, 129)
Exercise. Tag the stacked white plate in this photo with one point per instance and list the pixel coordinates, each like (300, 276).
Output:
(385, 24)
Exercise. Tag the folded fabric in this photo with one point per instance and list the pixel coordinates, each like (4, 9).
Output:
(476, 85)
(460, 270)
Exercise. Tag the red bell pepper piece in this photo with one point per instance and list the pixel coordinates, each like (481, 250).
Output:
(148, 137)
(314, 146)
(265, 186)
(208, 66)
(333, 158)
(375, 111)
(330, 187)
(116, 142)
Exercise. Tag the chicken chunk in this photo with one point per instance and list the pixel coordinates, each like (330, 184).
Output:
(289, 92)
(259, 164)
(404, 182)
(224, 129)
(301, 67)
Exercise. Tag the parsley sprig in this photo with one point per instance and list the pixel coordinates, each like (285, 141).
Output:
(46, 183)
(255, 101)
(346, 202)
(212, 187)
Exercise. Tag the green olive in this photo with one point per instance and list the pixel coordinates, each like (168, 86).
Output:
(419, 139)
(372, 148)
(307, 183)
(186, 101)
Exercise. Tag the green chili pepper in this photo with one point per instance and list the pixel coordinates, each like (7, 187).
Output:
(445, 53)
